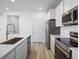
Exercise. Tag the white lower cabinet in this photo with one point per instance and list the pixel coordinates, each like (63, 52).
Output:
(10, 55)
(21, 51)
(52, 43)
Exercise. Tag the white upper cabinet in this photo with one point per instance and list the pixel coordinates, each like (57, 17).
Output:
(63, 6)
(51, 14)
(58, 14)
(69, 4)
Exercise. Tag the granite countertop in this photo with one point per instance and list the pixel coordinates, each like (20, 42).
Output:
(55, 35)
(6, 48)
(58, 36)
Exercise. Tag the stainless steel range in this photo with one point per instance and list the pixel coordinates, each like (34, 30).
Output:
(62, 46)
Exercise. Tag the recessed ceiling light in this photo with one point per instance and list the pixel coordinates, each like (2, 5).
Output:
(12, 0)
(7, 8)
(40, 8)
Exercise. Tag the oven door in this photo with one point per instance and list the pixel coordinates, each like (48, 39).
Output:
(61, 54)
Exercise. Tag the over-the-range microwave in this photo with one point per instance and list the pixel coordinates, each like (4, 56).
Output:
(70, 17)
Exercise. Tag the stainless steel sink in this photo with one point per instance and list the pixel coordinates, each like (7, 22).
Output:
(12, 41)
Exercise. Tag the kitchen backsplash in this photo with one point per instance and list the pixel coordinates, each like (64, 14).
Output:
(65, 30)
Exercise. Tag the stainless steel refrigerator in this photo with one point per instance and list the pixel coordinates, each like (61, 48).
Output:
(51, 29)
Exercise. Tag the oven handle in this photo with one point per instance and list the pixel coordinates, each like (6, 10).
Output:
(68, 54)
(61, 49)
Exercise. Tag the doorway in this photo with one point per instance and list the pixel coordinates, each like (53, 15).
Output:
(38, 33)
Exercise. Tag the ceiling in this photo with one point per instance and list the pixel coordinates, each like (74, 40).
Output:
(28, 5)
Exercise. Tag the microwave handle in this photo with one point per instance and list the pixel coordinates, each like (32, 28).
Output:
(72, 16)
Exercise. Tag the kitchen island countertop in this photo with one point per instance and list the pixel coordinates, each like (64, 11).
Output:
(6, 48)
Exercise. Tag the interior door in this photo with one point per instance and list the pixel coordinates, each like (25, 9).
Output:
(37, 30)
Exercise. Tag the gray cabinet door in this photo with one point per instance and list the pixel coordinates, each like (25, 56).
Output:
(10, 55)
(21, 51)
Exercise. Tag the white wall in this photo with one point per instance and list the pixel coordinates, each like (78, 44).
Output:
(2, 28)
(33, 23)
(65, 30)
(13, 20)
(26, 22)
(38, 27)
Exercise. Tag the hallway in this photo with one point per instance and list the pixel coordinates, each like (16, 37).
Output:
(39, 51)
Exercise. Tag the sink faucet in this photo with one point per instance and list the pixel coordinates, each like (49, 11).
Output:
(8, 31)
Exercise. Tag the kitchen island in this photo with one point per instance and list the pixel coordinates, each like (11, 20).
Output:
(15, 51)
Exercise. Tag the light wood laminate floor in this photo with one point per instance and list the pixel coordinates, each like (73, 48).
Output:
(40, 51)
